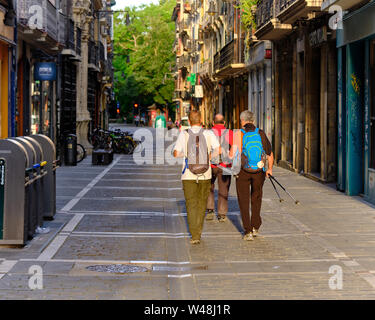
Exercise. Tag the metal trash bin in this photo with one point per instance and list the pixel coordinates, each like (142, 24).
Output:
(71, 150)
(13, 211)
(31, 188)
(49, 180)
(41, 172)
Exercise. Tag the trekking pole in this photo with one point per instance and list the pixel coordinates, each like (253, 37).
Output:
(277, 192)
(273, 178)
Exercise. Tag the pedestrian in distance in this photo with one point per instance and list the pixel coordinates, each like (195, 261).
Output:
(225, 138)
(136, 119)
(196, 145)
(252, 149)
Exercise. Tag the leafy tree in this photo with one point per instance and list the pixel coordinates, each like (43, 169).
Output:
(144, 56)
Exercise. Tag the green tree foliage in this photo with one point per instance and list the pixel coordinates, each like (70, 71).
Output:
(144, 57)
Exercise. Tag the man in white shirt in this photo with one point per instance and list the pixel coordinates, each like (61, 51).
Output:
(196, 186)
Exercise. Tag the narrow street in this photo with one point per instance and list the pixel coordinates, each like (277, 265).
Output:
(135, 216)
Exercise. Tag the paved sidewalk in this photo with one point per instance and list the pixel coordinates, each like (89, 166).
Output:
(135, 215)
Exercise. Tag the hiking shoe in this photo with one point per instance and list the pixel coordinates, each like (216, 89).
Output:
(222, 218)
(248, 237)
(195, 241)
(210, 215)
(255, 232)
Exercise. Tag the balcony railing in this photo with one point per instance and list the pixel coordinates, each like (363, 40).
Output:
(70, 43)
(283, 4)
(266, 10)
(63, 29)
(231, 53)
(52, 21)
(78, 41)
(92, 30)
(93, 55)
(284, 11)
(217, 61)
(205, 68)
(101, 52)
(183, 62)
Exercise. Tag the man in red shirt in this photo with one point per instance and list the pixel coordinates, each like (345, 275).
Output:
(225, 137)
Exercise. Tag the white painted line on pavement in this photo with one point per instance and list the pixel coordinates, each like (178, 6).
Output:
(73, 223)
(142, 173)
(120, 213)
(205, 235)
(137, 188)
(180, 276)
(51, 250)
(141, 180)
(109, 261)
(351, 263)
(80, 195)
(55, 245)
(185, 262)
(144, 199)
(6, 266)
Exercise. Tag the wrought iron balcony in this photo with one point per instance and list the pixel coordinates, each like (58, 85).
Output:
(217, 61)
(78, 41)
(52, 20)
(231, 59)
(183, 62)
(62, 33)
(205, 68)
(101, 52)
(93, 54)
(70, 35)
(289, 11)
(274, 18)
(268, 25)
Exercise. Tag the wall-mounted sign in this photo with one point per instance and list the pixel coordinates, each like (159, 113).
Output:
(318, 37)
(45, 71)
(198, 91)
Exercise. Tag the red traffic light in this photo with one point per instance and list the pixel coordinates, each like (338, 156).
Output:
(136, 105)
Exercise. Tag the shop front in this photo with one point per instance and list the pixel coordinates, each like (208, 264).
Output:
(356, 103)
(43, 87)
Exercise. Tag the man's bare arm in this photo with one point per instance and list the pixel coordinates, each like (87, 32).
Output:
(271, 160)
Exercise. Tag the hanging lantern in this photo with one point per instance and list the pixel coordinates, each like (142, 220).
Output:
(211, 9)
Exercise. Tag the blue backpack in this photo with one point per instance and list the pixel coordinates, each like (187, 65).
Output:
(252, 149)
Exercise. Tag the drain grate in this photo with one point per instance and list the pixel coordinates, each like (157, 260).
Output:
(117, 268)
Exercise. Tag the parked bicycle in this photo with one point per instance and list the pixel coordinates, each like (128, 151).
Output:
(81, 153)
(117, 140)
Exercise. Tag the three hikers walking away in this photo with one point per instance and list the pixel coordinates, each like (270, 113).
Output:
(208, 156)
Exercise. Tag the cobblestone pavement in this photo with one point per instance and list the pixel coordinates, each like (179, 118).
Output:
(135, 215)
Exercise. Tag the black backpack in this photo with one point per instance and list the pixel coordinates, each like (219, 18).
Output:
(197, 157)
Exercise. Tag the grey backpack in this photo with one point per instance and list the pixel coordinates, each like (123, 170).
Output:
(197, 157)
